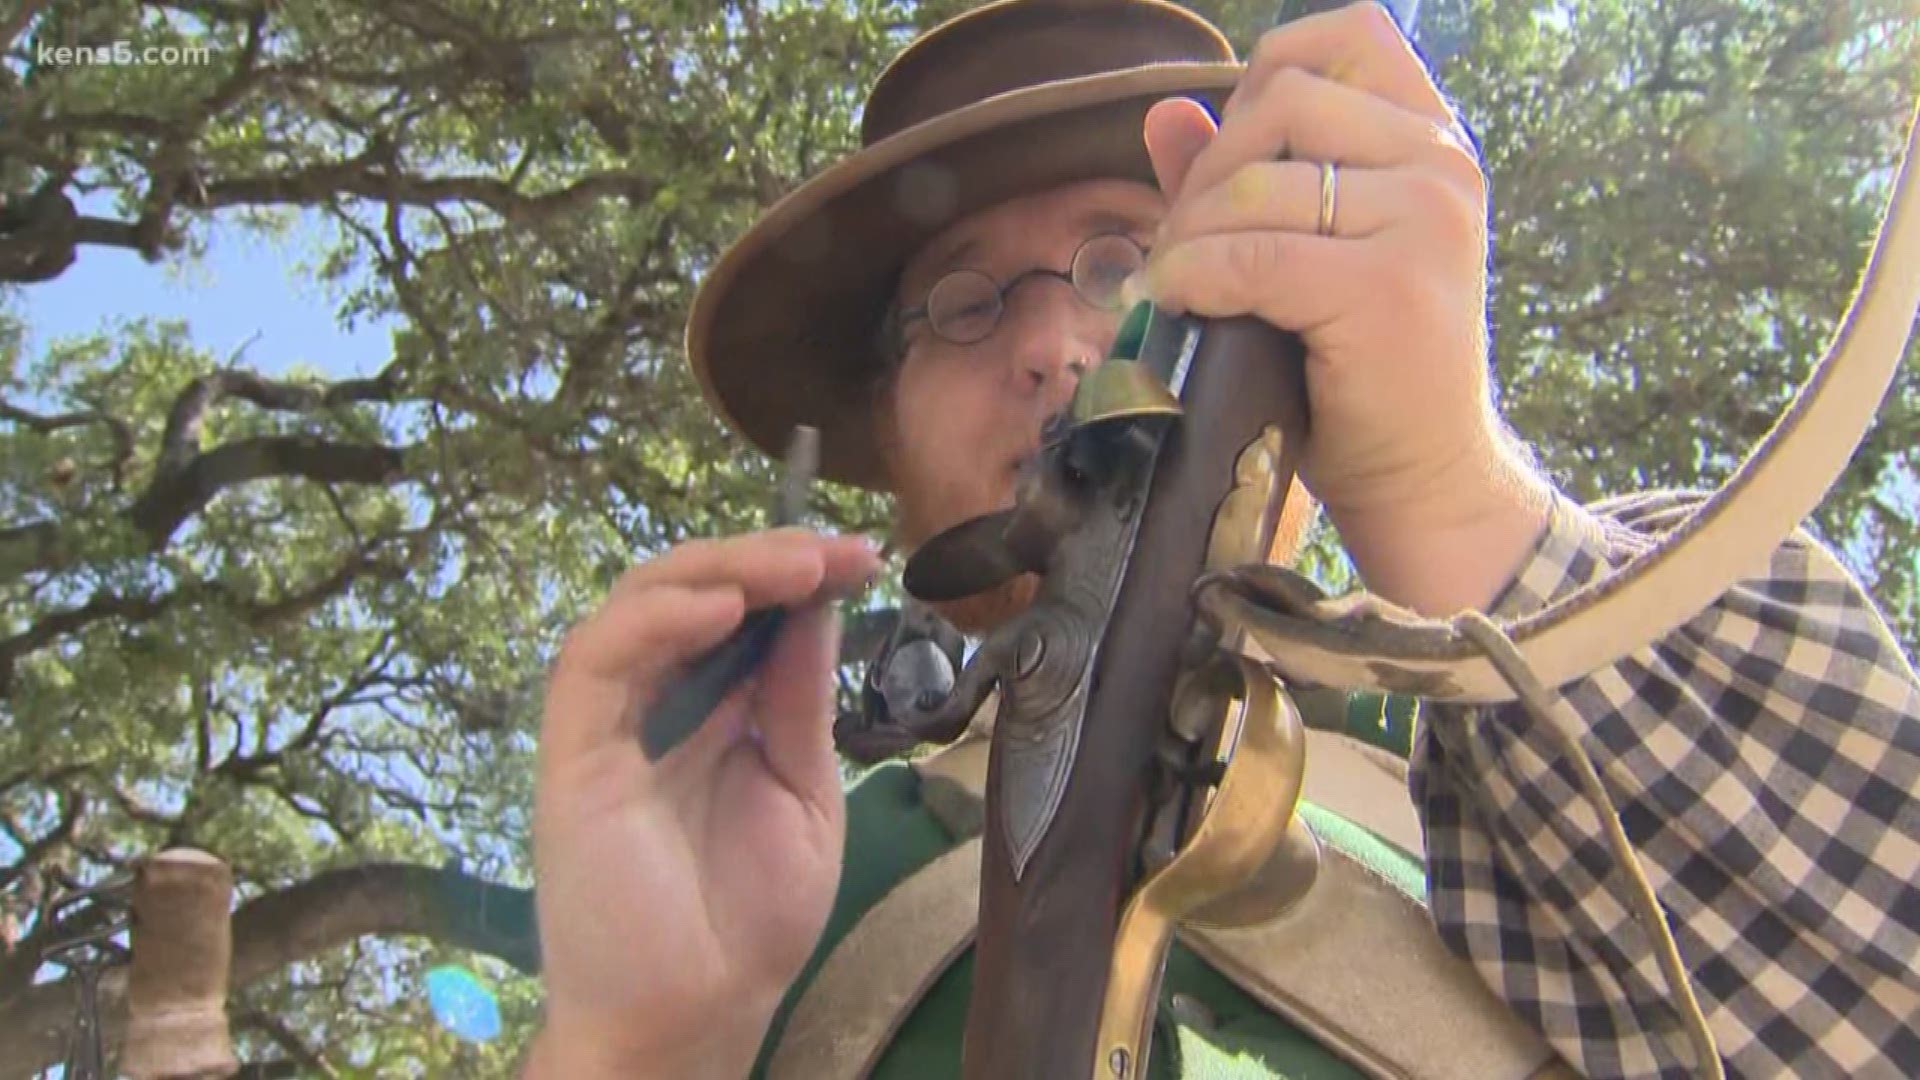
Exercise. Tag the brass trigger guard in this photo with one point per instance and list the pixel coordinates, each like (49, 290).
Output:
(1248, 817)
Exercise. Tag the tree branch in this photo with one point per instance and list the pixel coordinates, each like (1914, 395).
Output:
(587, 355)
(336, 906)
(185, 481)
(331, 909)
(295, 604)
(33, 852)
(226, 10)
(355, 177)
(120, 431)
(298, 1052)
(175, 496)
(66, 621)
(29, 547)
(18, 968)
(108, 232)
(181, 438)
(281, 1069)
(107, 121)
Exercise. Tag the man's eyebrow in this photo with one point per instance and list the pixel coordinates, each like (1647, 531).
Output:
(956, 251)
(1096, 222)
(930, 270)
(1089, 223)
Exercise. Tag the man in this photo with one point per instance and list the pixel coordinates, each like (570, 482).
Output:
(930, 301)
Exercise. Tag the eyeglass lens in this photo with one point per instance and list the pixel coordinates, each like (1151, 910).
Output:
(966, 305)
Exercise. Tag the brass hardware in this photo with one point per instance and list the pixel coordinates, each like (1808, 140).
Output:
(1243, 526)
(1248, 816)
(1199, 703)
(1281, 882)
(1121, 389)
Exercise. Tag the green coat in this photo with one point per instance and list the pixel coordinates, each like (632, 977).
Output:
(1207, 1027)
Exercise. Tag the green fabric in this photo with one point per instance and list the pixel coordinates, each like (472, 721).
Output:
(1241, 1039)
(890, 834)
(1382, 720)
(1385, 858)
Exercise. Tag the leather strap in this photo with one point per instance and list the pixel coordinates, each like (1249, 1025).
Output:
(878, 973)
(1355, 963)
(1361, 642)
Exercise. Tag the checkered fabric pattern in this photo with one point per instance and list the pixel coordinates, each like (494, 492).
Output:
(1765, 762)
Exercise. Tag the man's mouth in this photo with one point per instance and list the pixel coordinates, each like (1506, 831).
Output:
(1031, 452)
(1025, 460)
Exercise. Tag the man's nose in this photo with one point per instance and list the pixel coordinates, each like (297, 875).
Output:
(1050, 339)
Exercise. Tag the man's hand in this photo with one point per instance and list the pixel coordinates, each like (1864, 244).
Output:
(678, 899)
(1405, 445)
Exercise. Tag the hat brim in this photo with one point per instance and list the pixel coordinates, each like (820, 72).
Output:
(783, 328)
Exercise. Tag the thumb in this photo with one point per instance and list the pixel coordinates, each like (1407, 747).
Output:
(1175, 131)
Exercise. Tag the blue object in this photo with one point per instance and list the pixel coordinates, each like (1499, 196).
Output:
(462, 1005)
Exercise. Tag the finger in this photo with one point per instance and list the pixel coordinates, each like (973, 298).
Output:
(1296, 281)
(624, 646)
(793, 707)
(1285, 195)
(1175, 131)
(1359, 45)
(783, 566)
(1312, 118)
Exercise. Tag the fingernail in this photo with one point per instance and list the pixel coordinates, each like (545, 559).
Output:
(1133, 290)
(849, 592)
(1153, 276)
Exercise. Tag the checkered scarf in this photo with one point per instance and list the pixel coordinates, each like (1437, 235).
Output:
(1765, 762)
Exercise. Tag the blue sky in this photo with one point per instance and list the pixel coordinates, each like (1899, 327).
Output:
(248, 282)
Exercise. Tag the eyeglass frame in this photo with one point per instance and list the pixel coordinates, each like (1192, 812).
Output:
(894, 334)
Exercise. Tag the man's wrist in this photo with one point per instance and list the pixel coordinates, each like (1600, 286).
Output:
(1457, 552)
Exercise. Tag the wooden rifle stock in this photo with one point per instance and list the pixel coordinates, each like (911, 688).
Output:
(1046, 938)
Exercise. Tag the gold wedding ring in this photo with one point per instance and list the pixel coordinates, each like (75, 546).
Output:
(1329, 193)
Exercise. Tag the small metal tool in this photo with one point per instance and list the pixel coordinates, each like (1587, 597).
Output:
(688, 702)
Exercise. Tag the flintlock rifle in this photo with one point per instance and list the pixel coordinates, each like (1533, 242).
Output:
(1089, 786)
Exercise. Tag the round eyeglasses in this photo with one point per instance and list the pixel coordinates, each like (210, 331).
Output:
(965, 305)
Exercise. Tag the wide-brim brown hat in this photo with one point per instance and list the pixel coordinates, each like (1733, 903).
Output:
(1009, 99)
